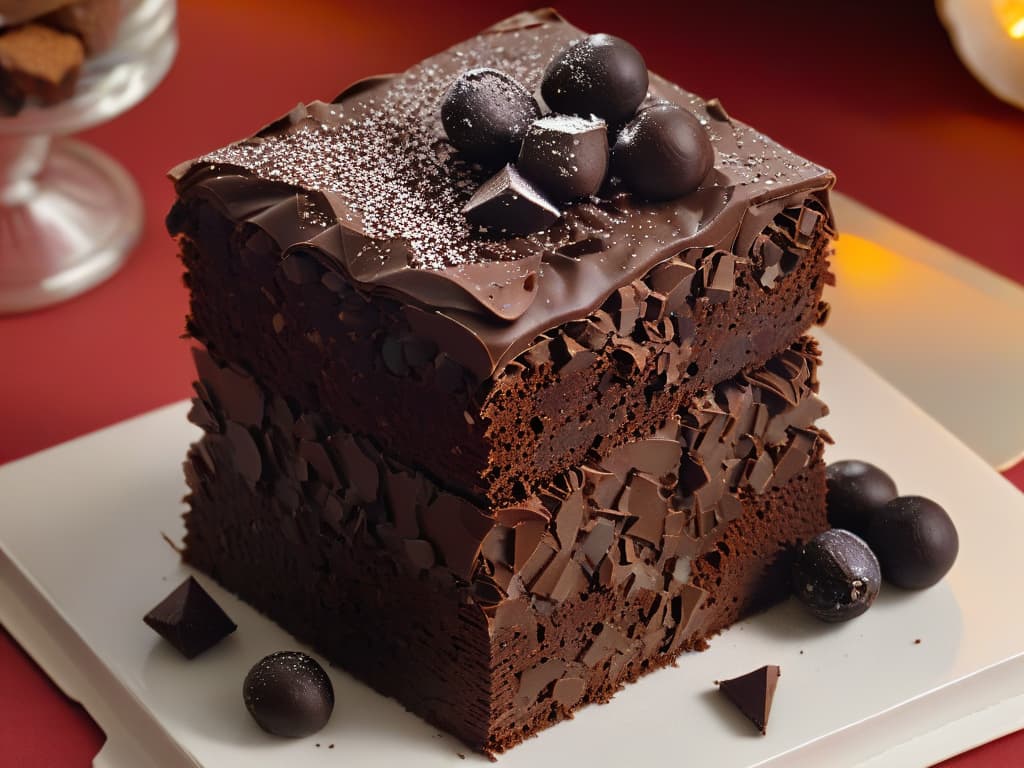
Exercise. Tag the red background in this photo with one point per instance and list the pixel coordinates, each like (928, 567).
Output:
(871, 89)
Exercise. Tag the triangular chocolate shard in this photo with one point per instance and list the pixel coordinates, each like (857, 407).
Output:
(190, 620)
(752, 693)
(508, 205)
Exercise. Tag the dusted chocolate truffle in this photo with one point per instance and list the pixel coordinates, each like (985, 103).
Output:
(289, 694)
(915, 540)
(566, 156)
(486, 113)
(190, 620)
(664, 152)
(507, 204)
(600, 75)
(856, 491)
(836, 576)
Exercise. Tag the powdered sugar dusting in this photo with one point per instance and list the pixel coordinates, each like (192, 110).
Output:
(383, 156)
(387, 157)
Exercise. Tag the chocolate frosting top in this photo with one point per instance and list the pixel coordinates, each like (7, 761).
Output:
(369, 186)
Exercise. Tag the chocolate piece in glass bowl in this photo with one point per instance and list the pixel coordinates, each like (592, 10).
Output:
(95, 22)
(38, 62)
(13, 12)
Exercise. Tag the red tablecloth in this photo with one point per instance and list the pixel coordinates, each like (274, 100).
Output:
(871, 89)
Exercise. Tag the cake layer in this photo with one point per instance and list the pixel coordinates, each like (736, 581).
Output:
(328, 254)
(495, 621)
(420, 643)
(695, 319)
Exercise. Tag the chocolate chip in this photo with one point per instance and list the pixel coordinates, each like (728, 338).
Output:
(915, 540)
(600, 75)
(663, 153)
(836, 576)
(566, 156)
(289, 694)
(486, 113)
(856, 491)
(753, 693)
(507, 204)
(190, 620)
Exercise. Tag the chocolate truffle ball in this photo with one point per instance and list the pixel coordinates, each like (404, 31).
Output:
(566, 156)
(856, 491)
(289, 694)
(915, 540)
(663, 153)
(486, 113)
(836, 576)
(600, 75)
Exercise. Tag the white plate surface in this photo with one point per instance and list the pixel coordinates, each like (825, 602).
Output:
(82, 559)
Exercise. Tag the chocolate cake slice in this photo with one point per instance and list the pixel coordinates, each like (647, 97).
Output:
(497, 477)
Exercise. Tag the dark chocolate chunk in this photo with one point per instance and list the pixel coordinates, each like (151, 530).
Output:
(856, 491)
(486, 113)
(289, 694)
(836, 575)
(664, 152)
(915, 540)
(600, 75)
(507, 204)
(753, 693)
(566, 156)
(190, 620)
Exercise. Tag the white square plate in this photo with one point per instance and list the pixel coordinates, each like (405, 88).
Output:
(82, 559)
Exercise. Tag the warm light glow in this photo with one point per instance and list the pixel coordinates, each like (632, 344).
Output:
(1011, 16)
(865, 266)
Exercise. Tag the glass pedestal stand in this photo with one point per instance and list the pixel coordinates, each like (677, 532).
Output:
(69, 214)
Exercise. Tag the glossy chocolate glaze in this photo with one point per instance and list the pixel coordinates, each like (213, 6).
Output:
(370, 186)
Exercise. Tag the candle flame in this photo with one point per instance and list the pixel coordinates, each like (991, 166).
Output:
(1011, 15)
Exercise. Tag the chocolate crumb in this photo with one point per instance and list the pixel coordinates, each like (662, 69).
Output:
(917, 641)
